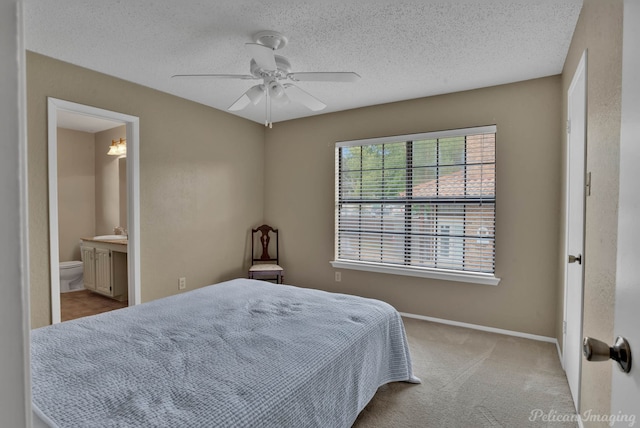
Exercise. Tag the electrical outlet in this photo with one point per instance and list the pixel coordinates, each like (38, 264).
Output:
(338, 276)
(182, 283)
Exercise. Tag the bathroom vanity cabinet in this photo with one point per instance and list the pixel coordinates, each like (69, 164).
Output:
(105, 267)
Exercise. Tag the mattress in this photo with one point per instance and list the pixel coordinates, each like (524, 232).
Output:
(240, 353)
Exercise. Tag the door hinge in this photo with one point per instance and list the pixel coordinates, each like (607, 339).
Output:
(568, 126)
(564, 327)
(588, 184)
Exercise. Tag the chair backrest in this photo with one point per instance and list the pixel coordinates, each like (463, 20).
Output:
(261, 234)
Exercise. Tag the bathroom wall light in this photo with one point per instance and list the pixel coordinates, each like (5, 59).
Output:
(118, 148)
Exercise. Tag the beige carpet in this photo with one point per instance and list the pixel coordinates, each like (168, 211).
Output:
(473, 378)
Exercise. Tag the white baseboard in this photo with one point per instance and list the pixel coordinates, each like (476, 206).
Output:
(484, 328)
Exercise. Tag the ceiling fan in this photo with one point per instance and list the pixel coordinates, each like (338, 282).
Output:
(275, 73)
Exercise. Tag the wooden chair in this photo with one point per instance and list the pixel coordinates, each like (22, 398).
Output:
(265, 266)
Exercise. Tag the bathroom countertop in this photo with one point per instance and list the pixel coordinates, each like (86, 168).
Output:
(109, 241)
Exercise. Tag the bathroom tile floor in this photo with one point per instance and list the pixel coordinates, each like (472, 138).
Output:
(83, 303)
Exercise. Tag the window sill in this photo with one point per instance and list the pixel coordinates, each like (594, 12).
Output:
(474, 278)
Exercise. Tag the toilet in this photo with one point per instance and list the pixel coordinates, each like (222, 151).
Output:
(71, 276)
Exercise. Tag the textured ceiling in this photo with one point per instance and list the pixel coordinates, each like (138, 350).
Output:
(403, 49)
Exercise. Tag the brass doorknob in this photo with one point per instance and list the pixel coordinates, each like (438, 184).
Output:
(596, 350)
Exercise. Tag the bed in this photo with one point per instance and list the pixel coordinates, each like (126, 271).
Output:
(242, 353)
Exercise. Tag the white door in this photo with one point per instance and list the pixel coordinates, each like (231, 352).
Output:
(625, 395)
(575, 194)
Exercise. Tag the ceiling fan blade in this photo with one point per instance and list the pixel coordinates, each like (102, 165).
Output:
(324, 77)
(263, 56)
(253, 95)
(306, 99)
(240, 103)
(216, 76)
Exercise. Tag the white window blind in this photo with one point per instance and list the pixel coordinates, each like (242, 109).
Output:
(424, 201)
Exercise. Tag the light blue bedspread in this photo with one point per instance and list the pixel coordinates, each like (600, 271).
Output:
(242, 353)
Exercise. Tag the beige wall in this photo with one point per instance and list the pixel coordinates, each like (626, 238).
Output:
(599, 31)
(201, 174)
(108, 182)
(299, 178)
(76, 191)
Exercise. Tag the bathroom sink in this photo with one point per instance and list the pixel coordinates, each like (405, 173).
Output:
(110, 237)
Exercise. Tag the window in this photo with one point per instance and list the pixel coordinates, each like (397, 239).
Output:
(421, 205)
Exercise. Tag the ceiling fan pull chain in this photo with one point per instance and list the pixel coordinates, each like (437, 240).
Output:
(270, 110)
(266, 109)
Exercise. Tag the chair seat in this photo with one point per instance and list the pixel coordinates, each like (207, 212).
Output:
(266, 267)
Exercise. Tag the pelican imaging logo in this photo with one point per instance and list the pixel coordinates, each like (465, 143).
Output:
(539, 415)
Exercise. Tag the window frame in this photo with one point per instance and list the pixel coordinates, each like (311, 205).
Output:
(415, 271)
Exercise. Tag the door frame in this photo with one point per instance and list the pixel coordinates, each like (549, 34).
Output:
(573, 317)
(132, 124)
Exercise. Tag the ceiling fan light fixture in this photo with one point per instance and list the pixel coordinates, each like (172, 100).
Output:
(281, 101)
(256, 93)
(276, 90)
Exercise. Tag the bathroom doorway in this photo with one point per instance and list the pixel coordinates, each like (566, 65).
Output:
(82, 118)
